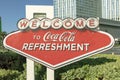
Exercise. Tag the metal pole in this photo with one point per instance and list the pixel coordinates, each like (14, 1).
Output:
(50, 74)
(30, 69)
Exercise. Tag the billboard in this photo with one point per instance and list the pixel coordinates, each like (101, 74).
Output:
(56, 43)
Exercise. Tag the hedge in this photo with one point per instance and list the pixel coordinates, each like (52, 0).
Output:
(40, 73)
(11, 60)
(8, 74)
(97, 67)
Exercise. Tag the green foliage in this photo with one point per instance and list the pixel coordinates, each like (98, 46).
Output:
(99, 67)
(2, 36)
(22, 76)
(11, 60)
(40, 72)
(8, 74)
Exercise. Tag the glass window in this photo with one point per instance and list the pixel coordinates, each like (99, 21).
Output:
(39, 15)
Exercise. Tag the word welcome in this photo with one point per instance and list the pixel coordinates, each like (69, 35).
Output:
(57, 23)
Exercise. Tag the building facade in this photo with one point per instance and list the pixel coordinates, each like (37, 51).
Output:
(39, 11)
(111, 9)
(77, 8)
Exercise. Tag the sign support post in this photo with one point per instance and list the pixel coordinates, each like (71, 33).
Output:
(44, 11)
(50, 74)
(30, 69)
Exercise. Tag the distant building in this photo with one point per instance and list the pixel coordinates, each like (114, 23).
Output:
(0, 25)
(110, 26)
(107, 9)
(39, 11)
(111, 9)
(77, 8)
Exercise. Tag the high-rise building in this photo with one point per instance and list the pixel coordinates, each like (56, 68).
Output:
(77, 8)
(0, 25)
(111, 9)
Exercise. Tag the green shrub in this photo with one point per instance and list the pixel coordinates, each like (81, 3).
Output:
(40, 72)
(8, 74)
(98, 67)
(22, 76)
(11, 60)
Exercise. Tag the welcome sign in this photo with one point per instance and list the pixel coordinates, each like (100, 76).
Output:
(56, 43)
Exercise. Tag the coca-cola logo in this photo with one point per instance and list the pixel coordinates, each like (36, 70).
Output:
(63, 37)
